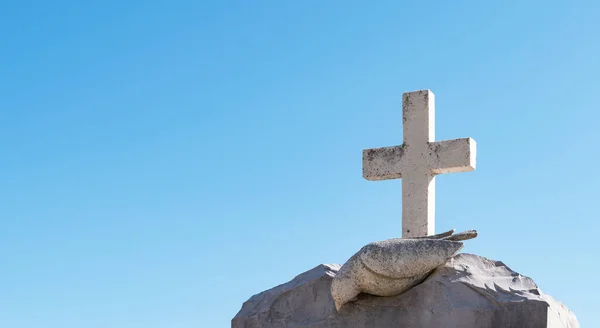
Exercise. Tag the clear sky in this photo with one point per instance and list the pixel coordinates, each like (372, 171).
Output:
(163, 161)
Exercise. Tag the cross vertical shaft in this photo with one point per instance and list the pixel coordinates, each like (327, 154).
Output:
(418, 182)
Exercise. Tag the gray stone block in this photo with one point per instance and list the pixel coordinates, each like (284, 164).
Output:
(467, 291)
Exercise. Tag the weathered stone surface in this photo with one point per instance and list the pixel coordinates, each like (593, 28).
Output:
(393, 266)
(417, 161)
(467, 291)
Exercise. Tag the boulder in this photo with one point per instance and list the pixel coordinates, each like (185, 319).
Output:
(466, 291)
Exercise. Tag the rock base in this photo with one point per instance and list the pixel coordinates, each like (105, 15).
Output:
(467, 291)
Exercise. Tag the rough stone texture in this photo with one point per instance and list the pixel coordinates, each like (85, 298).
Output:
(417, 161)
(467, 291)
(393, 266)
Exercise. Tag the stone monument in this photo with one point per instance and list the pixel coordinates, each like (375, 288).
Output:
(417, 161)
(414, 281)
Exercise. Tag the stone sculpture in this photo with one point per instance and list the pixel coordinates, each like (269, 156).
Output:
(422, 282)
(418, 161)
(467, 291)
(393, 266)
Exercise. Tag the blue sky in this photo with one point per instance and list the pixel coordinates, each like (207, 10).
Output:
(163, 161)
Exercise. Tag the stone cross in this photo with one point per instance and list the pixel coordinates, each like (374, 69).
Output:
(417, 161)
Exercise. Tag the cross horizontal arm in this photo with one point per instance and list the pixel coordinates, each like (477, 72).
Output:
(382, 163)
(451, 156)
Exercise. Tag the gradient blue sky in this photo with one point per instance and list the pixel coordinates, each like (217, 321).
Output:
(163, 161)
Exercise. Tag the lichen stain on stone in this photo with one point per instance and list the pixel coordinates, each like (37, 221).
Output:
(371, 154)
